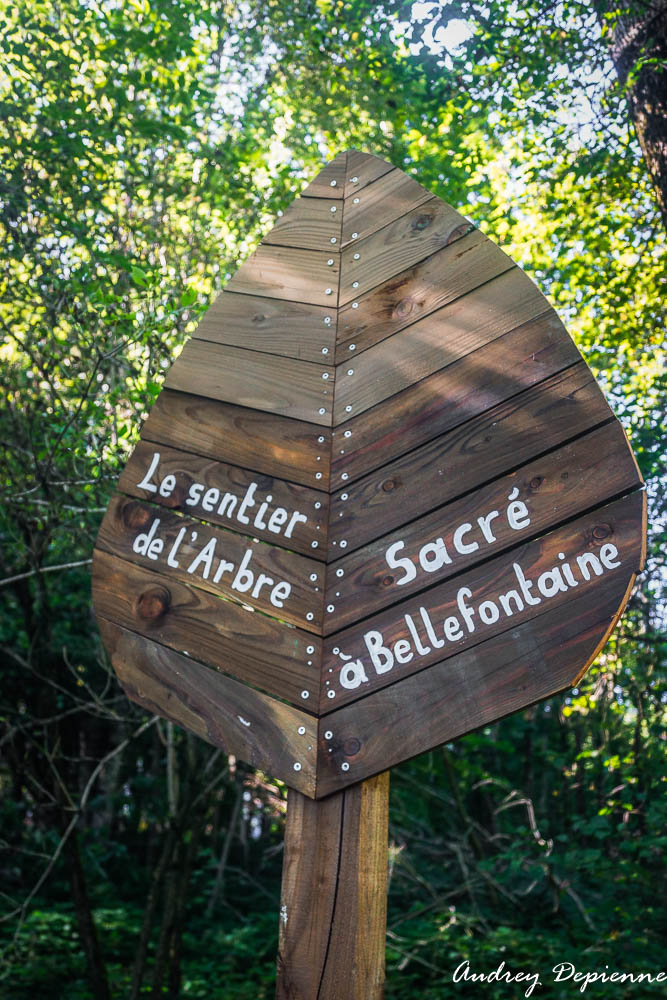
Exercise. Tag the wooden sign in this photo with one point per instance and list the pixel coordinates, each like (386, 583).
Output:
(380, 501)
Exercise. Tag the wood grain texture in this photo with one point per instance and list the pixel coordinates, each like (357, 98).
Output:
(184, 540)
(289, 449)
(330, 181)
(499, 440)
(386, 199)
(260, 730)
(252, 647)
(479, 686)
(399, 245)
(449, 397)
(617, 524)
(577, 477)
(333, 901)
(284, 386)
(274, 326)
(309, 223)
(457, 329)
(363, 169)
(193, 471)
(287, 273)
(414, 293)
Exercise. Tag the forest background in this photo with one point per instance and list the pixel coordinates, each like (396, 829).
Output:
(145, 148)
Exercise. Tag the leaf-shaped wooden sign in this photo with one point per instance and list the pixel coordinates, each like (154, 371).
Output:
(381, 500)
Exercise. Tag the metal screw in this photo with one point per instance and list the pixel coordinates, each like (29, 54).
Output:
(348, 409)
(321, 411)
(333, 208)
(345, 766)
(328, 735)
(325, 350)
(355, 236)
(355, 201)
(352, 347)
(297, 766)
(325, 376)
(340, 572)
(305, 694)
(354, 180)
(345, 476)
(344, 496)
(314, 545)
(330, 608)
(355, 284)
(347, 434)
(318, 475)
(310, 649)
(320, 439)
(328, 291)
(355, 305)
(330, 261)
(335, 650)
(317, 505)
(313, 577)
(350, 371)
(343, 544)
(327, 320)
(332, 240)
(356, 256)
(333, 184)
(331, 694)
(301, 730)
(310, 616)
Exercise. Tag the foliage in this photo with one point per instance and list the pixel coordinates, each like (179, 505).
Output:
(145, 149)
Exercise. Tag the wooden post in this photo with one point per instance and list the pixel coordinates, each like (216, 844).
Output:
(333, 910)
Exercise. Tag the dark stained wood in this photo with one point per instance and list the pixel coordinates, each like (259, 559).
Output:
(363, 169)
(194, 471)
(615, 524)
(577, 477)
(309, 223)
(333, 901)
(330, 182)
(183, 542)
(449, 397)
(502, 675)
(400, 244)
(291, 329)
(260, 730)
(500, 439)
(462, 326)
(287, 273)
(418, 291)
(372, 207)
(290, 449)
(259, 381)
(252, 647)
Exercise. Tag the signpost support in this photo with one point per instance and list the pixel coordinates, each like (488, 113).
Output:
(333, 910)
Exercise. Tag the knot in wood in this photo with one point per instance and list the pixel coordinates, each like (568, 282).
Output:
(387, 581)
(459, 232)
(536, 482)
(176, 500)
(422, 222)
(403, 308)
(135, 516)
(601, 531)
(153, 603)
(351, 747)
(391, 484)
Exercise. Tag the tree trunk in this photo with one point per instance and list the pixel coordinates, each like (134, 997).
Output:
(86, 924)
(639, 54)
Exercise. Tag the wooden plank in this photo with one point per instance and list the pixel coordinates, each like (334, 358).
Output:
(407, 297)
(219, 493)
(502, 675)
(399, 245)
(330, 182)
(309, 223)
(259, 381)
(273, 326)
(334, 895)
(449, 397)
(591, 470)
(266, 733)
(497, 441)
(252, 647)
(439, 339)
(288, 273)
(363, 169)
(277, 446)
(455, 615)
(386, 199)
(269, 579)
